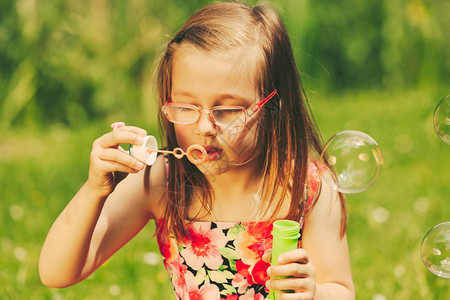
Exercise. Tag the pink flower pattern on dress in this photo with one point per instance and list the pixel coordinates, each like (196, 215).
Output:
(240, 282)
(252, 295)
(208, 265)
(222, 260)
(206, 292)
(202, 246)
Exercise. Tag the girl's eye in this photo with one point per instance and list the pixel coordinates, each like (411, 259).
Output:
(183, 109)
(234, 112)
(229, 116)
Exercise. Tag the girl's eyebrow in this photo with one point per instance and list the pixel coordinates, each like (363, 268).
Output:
(182, 93)
(239, 101)
(231, 97)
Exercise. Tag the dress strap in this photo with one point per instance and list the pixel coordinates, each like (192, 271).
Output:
(312, 190)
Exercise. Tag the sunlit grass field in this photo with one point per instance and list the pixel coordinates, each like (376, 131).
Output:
(41, 170)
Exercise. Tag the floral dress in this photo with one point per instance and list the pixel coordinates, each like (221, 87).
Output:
(222, 260)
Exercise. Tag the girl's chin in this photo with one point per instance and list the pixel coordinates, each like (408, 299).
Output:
(220, 166)
(211, 168)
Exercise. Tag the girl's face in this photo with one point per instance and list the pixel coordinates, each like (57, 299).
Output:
(208, 80)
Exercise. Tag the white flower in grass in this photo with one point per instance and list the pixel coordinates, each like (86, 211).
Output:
(399, 270)
(422, 204)
(379, 297)
(16, 212)
(115, 290)
(20, 253)
(380, 214)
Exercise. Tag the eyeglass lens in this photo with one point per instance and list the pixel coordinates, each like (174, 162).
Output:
(221, 116)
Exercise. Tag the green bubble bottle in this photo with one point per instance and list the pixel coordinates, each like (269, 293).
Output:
(285, 238)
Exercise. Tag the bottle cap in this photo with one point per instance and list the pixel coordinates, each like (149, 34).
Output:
(141, 153)
(286, 229)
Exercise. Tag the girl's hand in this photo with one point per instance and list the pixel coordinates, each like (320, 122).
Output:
(109, 163)
(296, 265)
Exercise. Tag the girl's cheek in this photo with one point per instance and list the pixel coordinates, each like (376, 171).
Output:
(182, 134)
(234, 136)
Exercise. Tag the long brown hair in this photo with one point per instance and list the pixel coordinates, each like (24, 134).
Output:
(286, 129)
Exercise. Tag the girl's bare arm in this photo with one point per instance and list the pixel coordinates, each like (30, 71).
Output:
(97, 222)
(321, 268)
(327, 249)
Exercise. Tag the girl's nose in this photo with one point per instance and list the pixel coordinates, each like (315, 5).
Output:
(205, 126)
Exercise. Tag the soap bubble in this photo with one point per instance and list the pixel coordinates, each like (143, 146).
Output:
(441, 119)
(436, 250)
(356, 160)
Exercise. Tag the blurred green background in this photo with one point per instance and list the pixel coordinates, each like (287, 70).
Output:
(70, 68)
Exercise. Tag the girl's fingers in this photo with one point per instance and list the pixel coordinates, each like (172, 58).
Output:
(102, 170)
(300, 286)
(122, 135)
(291, 283)
(116, 125)
(116, 167)
(293, 269)
(121, 158)
(133, 129)
(294, 256)
(109, 163)
(298, 274)
(102, 174)
(121, 126)
(267, 256)
(295, 296)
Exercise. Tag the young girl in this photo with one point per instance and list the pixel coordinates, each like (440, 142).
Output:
(226, 81)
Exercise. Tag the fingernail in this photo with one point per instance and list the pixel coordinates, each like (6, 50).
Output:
(116, 125)
(140, 165)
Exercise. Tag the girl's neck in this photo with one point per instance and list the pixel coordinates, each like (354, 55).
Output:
(241, 180)
(236, 196)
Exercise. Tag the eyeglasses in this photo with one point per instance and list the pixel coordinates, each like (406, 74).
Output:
(233, 116)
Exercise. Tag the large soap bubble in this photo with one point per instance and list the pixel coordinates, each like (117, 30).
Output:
(441, 119)
(436, 250)
(356, 160)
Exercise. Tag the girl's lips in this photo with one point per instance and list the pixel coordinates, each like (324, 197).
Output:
(213, 153)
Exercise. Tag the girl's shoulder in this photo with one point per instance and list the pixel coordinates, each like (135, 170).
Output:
(155, 185)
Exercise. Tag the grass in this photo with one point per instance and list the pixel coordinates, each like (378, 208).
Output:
(41, 171)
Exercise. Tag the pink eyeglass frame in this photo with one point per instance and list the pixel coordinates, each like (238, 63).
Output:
(249, 112)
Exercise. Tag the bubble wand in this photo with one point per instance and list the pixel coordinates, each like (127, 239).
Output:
(148, 151)
(179, 153)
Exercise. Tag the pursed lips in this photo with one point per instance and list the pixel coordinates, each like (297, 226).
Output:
(213, 152)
